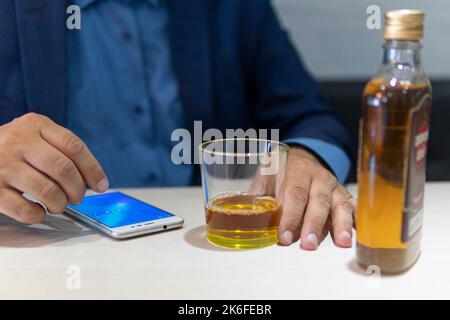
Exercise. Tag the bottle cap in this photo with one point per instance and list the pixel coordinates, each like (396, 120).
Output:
(404, 25)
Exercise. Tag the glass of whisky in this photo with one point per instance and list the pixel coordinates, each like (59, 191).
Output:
(242, 182)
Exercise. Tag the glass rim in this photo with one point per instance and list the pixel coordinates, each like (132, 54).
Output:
(201, 147)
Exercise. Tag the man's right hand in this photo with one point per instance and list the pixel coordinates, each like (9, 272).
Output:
(47, 161)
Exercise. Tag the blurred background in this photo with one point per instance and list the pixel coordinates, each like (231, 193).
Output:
(343, 54)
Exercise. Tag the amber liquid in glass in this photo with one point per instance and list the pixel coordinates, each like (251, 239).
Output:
(384, 176)
(242, 220)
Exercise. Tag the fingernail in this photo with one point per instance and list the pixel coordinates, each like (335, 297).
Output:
(346, 238)
(313, 240)
(103, 185)
(346, 235)
(288, 237)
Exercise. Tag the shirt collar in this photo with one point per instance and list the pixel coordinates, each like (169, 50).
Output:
(85, 3)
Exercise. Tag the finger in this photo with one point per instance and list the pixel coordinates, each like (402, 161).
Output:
(294, 203)
(263, 184)
(342, 217)
(27, 179)
(60, 168)
(14, 205)
(317, 211)
(75, 149)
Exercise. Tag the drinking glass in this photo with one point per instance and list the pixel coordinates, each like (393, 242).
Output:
(242, 182)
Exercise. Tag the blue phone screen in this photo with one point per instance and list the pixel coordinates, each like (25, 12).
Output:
(116, 209)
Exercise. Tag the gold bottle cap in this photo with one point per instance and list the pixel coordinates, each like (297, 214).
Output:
(404, 25)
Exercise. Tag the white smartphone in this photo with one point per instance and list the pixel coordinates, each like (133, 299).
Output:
(121, 216)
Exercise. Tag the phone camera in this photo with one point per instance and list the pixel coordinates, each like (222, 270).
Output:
(164, 227)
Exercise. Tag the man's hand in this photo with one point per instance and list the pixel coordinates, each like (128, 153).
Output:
(314, 204)
(47, 161)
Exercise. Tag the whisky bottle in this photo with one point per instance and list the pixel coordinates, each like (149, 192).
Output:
(392, 152)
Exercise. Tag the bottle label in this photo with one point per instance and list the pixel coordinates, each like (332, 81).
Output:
(415, 168)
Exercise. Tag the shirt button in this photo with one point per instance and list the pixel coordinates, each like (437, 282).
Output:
(138, 109)
(126, 35)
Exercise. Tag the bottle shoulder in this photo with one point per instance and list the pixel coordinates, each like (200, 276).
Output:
(395, 99)
(380, 84)
(402, 74)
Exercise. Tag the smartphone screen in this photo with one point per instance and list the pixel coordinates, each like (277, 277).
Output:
(116, 209)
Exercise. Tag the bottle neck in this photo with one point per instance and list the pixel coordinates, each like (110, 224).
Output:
(402, 54)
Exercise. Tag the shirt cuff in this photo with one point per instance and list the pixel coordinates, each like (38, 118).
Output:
(333, 156)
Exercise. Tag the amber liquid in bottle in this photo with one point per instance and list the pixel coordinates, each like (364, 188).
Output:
(392, 173)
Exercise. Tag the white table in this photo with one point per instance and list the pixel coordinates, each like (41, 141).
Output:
(181, 264)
